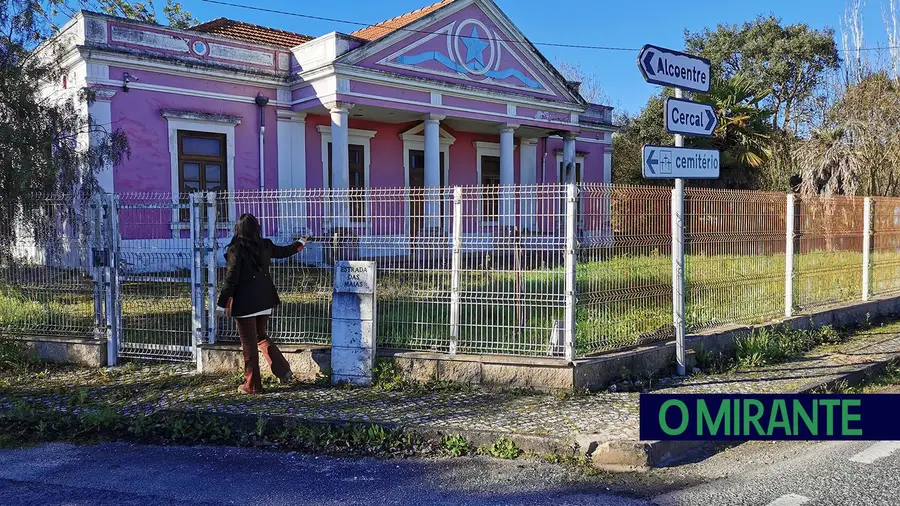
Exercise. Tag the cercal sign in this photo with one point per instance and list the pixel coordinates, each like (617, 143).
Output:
(666, 67)
(690, 118)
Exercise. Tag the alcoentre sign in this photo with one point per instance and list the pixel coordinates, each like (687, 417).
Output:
(666, 67)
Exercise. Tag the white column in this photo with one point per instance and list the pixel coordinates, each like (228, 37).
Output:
(528, 178)
(432, 171)
(340, 163)
(569, 158)
(507, 178)
(291, 129)
(100, 111)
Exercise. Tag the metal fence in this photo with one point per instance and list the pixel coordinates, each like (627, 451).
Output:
(551, 270)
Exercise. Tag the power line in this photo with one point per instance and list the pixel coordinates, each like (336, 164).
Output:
(358, 23)
(429, 32)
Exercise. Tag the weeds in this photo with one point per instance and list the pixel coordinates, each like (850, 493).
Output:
(771, 346)
(503, 448)
(455, 445)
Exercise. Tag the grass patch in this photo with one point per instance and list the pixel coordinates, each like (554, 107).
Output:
(780, 344)
(623, 300)
(890, 377)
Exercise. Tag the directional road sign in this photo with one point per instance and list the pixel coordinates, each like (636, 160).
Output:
(690, 118)
(669, 162)
(666, 67)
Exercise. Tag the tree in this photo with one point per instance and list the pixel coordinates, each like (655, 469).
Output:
(858, 151)
(43, 128)
(645, 128)
(589, 88)
(176, 16)
(792, 61)
(744, 133)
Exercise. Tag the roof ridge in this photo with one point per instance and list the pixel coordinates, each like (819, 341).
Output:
(386, 24)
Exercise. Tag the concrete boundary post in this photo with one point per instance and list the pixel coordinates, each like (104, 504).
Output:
(353, 320)
(455, 266)
(789, 218)
(570, 295)
(867, 247)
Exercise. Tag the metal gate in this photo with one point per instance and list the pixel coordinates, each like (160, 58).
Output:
(157, 295)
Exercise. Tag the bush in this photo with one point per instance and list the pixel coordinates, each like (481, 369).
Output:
(14, 356)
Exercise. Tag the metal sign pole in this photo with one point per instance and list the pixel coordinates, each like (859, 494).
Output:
(678, 261)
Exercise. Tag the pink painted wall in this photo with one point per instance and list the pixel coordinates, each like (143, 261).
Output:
(149, 169)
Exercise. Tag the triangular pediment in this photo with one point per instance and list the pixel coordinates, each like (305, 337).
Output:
(467, 42)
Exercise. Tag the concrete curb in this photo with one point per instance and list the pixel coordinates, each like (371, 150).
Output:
(630, 455)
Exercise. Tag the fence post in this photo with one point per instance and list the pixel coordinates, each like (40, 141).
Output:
(97, 252)
(867, 246)
(111, 280)
(678, 275)
(197, 294)
(211, 281)
(569, 342)
(455, 266)
(789, 219)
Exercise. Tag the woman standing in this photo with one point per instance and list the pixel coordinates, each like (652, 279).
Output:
(249, 295)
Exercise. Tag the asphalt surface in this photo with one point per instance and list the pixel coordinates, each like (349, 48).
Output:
(764, 474)
(123, 474)
(793, 473)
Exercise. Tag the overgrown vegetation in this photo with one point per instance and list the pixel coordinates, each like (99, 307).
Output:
(15, 357)
(502, 448)
(455, 445)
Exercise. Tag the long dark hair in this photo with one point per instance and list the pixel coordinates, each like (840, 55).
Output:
(248, 233)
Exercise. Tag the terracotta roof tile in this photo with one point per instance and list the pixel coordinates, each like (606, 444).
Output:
(252, 33)
(391, 25)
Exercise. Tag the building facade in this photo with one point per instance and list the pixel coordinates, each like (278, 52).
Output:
(449, 95)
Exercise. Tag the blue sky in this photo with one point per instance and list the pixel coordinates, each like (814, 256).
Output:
(619, 23)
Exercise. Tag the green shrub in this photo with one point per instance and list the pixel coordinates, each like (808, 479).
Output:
(503, 448)
(455, 445)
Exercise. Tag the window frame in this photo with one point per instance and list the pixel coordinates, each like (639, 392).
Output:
(198, 122)
(202, 160)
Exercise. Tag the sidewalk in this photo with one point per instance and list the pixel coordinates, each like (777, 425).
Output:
(594, 423)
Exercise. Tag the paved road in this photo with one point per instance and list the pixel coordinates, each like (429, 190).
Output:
(763, 474)
(791, 474)
(126, 475)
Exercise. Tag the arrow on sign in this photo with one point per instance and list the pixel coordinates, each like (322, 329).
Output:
(712, 121)
(651, 162)
(648, 63)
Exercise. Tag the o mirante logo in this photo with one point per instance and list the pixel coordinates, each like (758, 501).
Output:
(768, 417)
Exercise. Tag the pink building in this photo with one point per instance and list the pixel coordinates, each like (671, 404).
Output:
(452, 94)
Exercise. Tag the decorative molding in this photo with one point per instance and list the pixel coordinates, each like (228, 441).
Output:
(239, 54)
(343, 85)
(351, 132)
(284, 61)
(96, 71)
(149, 39)
(381, 77)
(434, 117)
(412, 135)
(283, 95)
(103, 95)
(285, 115)
(96, 30)
(184, 91)
(204, 117)
(338, 106)
(511, 110)
(436, 98)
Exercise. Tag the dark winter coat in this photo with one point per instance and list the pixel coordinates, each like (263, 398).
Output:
(247, 281)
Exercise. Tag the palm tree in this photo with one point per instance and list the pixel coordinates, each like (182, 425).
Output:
(828, 162)
(744, 133)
